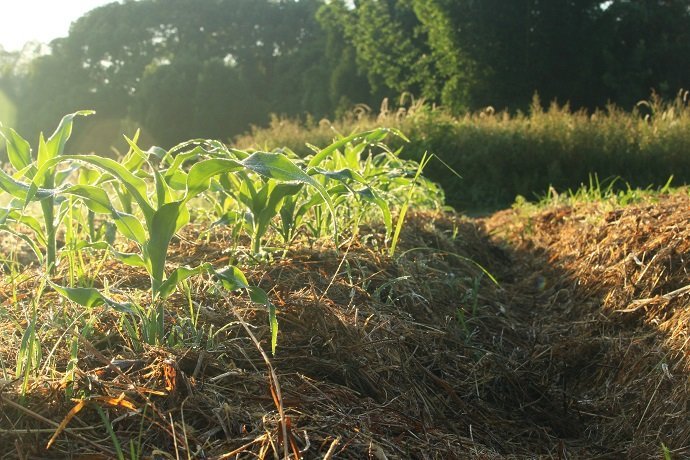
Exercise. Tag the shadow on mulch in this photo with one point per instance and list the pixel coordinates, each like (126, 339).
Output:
(603, 298)
(418, 356)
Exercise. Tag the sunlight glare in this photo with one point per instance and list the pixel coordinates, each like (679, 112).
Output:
(8, 111)
(38, 20)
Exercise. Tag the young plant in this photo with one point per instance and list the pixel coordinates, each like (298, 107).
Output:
(262, 199)
(165, 211)
(45, 179)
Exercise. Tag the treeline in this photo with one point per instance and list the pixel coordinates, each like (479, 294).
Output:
(182, 69)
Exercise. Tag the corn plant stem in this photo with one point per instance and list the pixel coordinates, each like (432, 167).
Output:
(256, 243)
(160, 321)
(49, 219)
(91, 220)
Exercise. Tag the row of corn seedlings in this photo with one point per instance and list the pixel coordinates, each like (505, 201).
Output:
(146, 197)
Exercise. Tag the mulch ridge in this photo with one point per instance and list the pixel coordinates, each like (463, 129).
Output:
(611, 323)
(579, 352)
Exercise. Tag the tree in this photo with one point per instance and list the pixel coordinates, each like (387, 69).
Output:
(180, 67)
(347, 84)
(646, 47)
(391, 47)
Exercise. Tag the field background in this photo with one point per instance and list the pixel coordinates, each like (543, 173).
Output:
(500, 156)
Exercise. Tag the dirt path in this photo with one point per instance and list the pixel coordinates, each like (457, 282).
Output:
(601, 315)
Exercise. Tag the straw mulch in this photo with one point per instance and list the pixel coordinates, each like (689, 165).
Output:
(578, 353)
(609, 317)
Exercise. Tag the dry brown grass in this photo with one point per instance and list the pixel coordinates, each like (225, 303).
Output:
(577, 354)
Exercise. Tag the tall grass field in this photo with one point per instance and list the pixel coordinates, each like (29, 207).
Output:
(501, 155)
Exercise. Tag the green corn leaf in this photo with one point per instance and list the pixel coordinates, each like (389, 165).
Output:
(182, 218)
(227, 182)
(260, 198)
(156, 152)
(231, 278)
(98, 201)
(64, 174)
(275, 166)
(373, 136)
(176, 180)
(88, 176)
(13, 215)
(206, 148)
(163, 226)
(239, 154)
(190, 148)
(136, 186)
(56, 143)
(276, 198)
(258, 295)
(278, 195)
(403, 209)
(199, 177)
(21, 190)
(43, 176)
(163, 192)
(90, 298)
(278, 166)
(368, 195)
(95, 198)
(273, 325)
(18, 149)
(180, 274)
(128, 258)
(288, 218)
(246, 192)
(181, 158)
(29, 356)
(130, 227)
(86, 297)
(352, 154)
(34, 225)
(314, 200)
(343, 175)
(135, 158)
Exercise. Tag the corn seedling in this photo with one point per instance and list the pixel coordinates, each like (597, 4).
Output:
(43, 178)
(164, 211)
(145, 197)
(262, 199)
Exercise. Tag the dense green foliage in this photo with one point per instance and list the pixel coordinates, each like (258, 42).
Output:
(327, 194)
(188, 68)
(501, 156)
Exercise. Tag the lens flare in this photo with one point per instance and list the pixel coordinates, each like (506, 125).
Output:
(8, 111)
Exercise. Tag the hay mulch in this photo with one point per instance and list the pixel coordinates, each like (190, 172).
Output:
(579, 352)
(609, 314)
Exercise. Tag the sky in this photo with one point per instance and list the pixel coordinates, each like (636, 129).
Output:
(39, 20)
